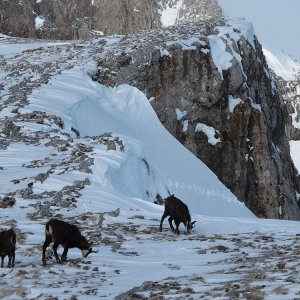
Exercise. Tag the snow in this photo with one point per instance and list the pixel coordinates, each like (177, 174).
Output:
(228, 250)
(9, 51)
(170, 13)
(94, 109)
(233, 102)
(295, 150)
(185, 125)
(187, 43)
(282, 64)
(39, 22)
(221, 57)
(245, 29)
(164, 52)
(255, 105)
(98, 32)
(180, 114)
(210, 133)
(224, 43)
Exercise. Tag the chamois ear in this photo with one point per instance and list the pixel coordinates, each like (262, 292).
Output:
(192, 224)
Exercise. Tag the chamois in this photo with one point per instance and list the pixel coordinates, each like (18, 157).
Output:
(177, 211)
(67, 235)
(8, 247)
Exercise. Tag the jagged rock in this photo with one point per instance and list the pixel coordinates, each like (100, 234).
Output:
(250, 151)
(75, 131)
(112, 143)
(7, 201)
(11, 130)
(41, 177)
(289, 91)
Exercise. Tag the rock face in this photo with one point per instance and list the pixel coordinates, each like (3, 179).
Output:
(80, 19)
(289, 90)
(219, 104)
(15, 18)
(285, 72)
(65, 19)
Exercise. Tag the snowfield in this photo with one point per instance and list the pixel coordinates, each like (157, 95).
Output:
(97, 157)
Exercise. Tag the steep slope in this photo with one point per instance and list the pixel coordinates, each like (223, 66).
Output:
(210, 87)
(145, 163)
(49, 168)
(228, 110)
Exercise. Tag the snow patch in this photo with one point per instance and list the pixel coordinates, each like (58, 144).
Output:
(180, 114)
(221, 57)
(39, 22)
(210, 133)
(295, 150)
(164, 52)
(244, 28)
(170, 13)
(233, 102)
(185, 125)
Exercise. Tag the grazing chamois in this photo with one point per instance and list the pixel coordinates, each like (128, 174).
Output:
(7, 247)
(177, 211)
(67, 235)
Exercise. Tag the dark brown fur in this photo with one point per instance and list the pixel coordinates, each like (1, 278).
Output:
(7, 247)
(67, 235)
(177, 211)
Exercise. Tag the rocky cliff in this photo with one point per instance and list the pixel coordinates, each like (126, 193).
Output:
(210, 86)
(285, 73)
(289, 90)
(80, 19)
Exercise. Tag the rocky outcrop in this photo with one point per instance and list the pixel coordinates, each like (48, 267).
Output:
(289, 90)
(210, 87)
(16, 18)
(63, 19)
(80, 19)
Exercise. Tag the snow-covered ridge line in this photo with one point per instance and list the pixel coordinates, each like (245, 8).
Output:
(283, 65)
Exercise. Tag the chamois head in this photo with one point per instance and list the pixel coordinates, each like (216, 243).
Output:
(86, 252)
(189, 226)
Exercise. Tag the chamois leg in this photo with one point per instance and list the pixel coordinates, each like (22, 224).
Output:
(171, 224)
(11, 261)
(48, 240)
(162, 220)
(13, 258)
(2, 261)
(177, 226)
(64, 255)
(10, 256)
(55, 246)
